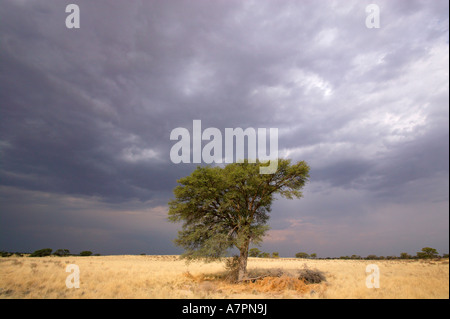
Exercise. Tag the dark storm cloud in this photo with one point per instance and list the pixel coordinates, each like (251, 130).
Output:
(70, 122)
(88, 112)
(83, 222)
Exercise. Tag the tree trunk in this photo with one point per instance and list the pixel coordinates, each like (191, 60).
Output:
(242, 274)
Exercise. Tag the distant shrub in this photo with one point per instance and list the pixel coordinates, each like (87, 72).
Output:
(405, 256)
(427, 252)
(391, 257)
(301, 255)
(5, 254)
(275, 254)
(42, 252)
(62, 252)
(254, 252)
(86, 253)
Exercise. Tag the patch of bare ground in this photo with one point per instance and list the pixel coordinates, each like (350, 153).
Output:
(273, 283)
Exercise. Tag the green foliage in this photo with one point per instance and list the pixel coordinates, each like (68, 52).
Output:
(313, 255)
(301, 255)
(42, 252)
(391, 257)
(225, 207)
(86, 253)
(427, 252)
(5, 254)
(275, 254)
(62, 252)
(264, 255)
(372, 257)
(405, 256)
(254, 252)
(9, 254)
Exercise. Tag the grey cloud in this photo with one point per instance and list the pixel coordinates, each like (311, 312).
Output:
(89, 112)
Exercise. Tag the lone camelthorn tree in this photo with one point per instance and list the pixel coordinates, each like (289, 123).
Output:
(225, 207)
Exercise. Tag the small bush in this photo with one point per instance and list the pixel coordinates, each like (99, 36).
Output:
(62, 252)
(86, 253)
(42, 252)
(311, 276)
(254, 252)
(232, 267)
(262, 273)
(5, 254)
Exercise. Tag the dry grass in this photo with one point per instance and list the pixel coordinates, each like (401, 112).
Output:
(168, 277)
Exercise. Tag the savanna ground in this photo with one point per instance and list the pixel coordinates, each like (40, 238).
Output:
(166, 277)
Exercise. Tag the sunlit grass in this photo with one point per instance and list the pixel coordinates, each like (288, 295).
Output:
(169, 277)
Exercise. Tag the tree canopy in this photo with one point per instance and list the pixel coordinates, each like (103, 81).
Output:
(427, 252)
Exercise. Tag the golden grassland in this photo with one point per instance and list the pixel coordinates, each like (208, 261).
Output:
(166, 277)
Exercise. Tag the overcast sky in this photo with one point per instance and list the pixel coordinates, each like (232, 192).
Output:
(86, 116)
